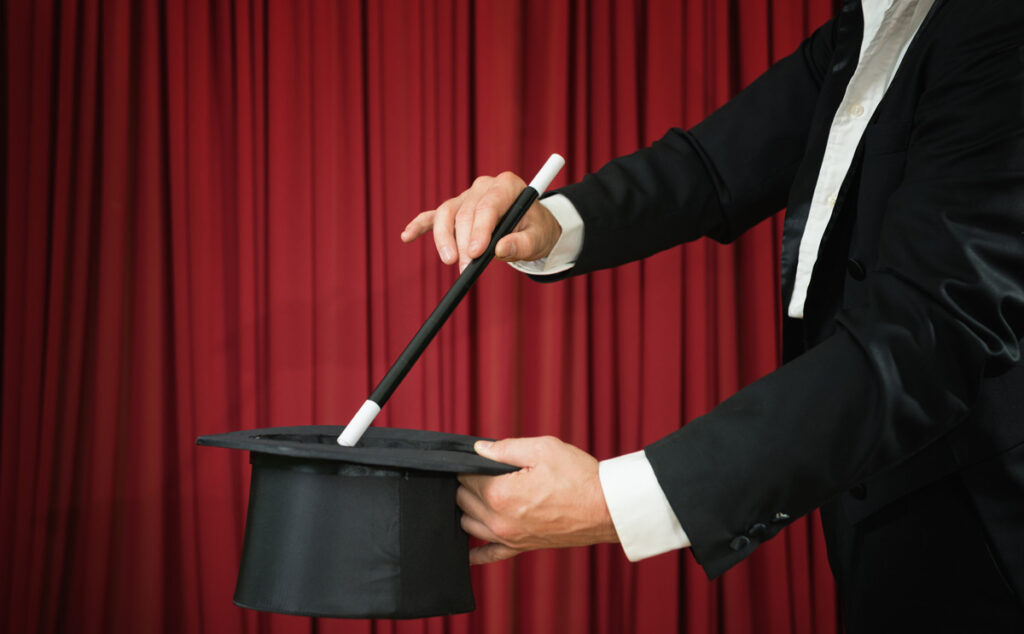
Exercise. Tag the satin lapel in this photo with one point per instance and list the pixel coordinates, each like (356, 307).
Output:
(850, 28)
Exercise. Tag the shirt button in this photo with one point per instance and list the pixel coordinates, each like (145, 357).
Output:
(831, 201)
(856, 111)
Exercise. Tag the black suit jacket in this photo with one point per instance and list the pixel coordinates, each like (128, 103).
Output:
(907, 366)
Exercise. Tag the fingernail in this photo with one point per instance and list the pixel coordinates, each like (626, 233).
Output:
(482, 445)
(474, 245)
(446, 255)
(509, 251)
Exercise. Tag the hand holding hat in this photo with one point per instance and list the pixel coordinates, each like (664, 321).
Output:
(554, 501)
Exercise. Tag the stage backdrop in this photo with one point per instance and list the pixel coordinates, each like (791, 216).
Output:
(202, 204)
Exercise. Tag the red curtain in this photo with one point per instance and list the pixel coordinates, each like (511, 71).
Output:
(202, 203)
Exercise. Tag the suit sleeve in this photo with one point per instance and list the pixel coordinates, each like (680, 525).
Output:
(678, 190)
(945, 309)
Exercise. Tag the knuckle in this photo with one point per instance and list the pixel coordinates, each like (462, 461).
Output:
(445, 210)
(481, 182)
(499, 528)
(546, 445)
(497, 498)
(507, 532)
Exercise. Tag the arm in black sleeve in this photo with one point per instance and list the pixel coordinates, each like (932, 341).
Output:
(671, 192)
(945, 310)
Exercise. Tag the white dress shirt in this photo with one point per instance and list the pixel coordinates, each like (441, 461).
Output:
(643, 517)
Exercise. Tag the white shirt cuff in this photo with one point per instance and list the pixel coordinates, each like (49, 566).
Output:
(641, 513)
(563, 255)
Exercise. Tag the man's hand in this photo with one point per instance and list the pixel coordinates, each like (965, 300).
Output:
(463, 225)
(554, 501)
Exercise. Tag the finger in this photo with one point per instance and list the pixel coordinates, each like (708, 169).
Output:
(494, 204)
(478, 529)
(474, 484)
(484, 221)
(419, 225)
(490, 553)
(488, 211)
(463, 228)
(519, 452)
(444, 232)
(472, 505)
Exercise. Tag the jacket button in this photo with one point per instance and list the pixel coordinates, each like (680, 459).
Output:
(855, 269)
(740, 542)
(757, 530)
(859, 492)
(780, 518)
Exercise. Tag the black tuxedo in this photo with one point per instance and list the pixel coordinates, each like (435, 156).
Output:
(900, 408)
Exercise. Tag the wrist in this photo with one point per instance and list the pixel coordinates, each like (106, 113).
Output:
(605, 526)
(554, 231)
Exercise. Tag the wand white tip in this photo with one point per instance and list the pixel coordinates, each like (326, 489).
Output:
(357, 426)
(547, 173)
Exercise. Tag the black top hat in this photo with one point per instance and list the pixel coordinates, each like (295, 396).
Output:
(358, 532)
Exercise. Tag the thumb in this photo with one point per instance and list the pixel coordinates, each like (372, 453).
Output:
(518, 452)
(518, 245)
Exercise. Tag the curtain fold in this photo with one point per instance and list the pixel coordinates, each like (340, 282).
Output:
(202, 203)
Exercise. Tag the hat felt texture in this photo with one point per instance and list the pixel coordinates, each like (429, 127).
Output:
(370, 531)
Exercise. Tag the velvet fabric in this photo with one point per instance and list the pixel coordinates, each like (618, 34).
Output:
(201, 209)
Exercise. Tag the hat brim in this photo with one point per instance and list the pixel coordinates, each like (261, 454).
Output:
(379, 446)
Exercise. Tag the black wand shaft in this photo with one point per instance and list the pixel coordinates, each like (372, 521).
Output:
(451, 299)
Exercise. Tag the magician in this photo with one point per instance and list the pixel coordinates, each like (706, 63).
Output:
(894, 138)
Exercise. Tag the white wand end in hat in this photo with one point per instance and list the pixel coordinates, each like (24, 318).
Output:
(358, 425)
